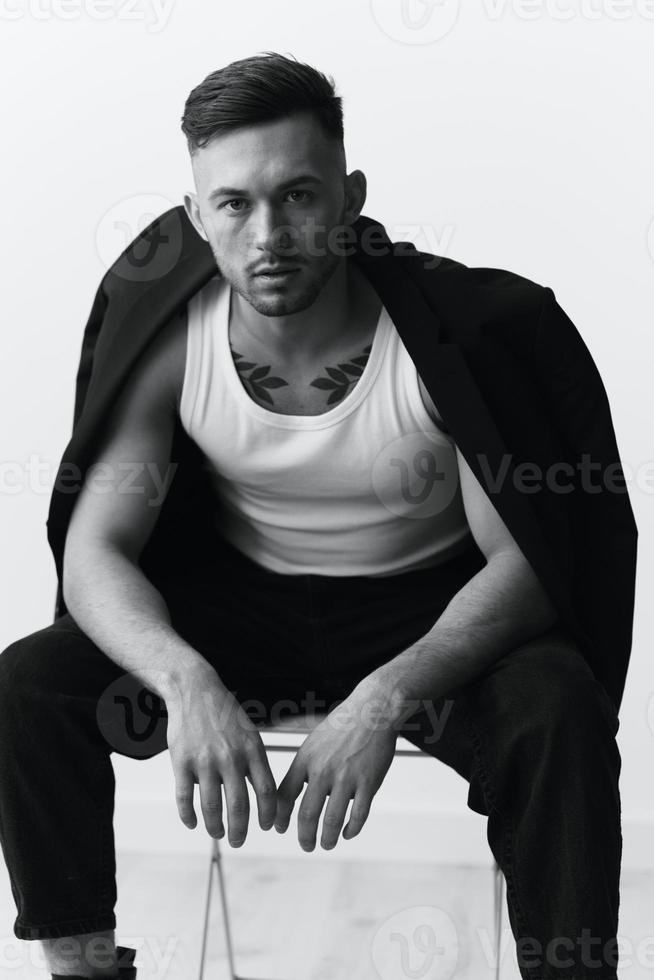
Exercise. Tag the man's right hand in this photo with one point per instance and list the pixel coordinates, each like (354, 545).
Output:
(213, 742)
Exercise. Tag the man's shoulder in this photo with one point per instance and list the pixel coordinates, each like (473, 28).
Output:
(166, 356)
(443, 272)
(475, 296)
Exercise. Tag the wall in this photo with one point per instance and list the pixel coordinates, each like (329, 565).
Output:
(501, 134)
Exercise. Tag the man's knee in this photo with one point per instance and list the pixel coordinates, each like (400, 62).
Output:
(39, 661)
(557, 690)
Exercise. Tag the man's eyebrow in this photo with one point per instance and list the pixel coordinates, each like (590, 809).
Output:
(300, 179)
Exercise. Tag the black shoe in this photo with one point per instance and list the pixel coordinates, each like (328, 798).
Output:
(126, 970)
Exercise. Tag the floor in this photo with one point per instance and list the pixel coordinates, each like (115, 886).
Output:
(315, 919)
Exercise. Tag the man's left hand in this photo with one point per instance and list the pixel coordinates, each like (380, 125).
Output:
(346, 756)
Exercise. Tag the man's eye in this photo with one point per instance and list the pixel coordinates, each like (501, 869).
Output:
(237, 199)
(304, 195)
(307, 194)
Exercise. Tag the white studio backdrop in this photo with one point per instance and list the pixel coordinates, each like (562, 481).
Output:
(508, 134)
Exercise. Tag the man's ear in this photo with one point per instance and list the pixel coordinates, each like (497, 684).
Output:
(355, 195)
(193, 212)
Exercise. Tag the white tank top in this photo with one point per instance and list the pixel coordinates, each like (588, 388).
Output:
(369, 487)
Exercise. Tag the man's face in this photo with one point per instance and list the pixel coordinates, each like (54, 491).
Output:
(269, 195)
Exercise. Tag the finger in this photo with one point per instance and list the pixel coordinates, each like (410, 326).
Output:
(211, 801)
(238, 806)
(359, 813)
(287, 793)
(309, 813)
(184, 787)
(332, 822)
(265, 788)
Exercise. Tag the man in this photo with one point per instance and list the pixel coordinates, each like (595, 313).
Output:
(323, 539)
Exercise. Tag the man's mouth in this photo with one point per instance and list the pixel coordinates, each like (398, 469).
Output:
(276, 277)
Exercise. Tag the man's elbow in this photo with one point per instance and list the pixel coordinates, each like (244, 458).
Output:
(532, 602)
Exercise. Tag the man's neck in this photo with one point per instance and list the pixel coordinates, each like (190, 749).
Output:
(343, 315)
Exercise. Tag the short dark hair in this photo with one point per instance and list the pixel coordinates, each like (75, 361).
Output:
(262, 88)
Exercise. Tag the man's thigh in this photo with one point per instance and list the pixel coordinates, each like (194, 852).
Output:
(539, 692)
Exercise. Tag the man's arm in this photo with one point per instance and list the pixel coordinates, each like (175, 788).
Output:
(499, 608)
(105, 590)
(211, 739)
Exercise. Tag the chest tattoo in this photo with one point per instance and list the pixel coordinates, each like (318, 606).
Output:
(336, 380)
(341, 377)
(259, 381)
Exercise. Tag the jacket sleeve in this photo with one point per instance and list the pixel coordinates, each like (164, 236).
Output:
(91, 331)
(603, 520)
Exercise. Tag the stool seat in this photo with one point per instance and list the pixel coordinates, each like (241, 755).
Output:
(302, 723)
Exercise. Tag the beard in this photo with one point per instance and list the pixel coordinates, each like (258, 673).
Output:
(298, 294)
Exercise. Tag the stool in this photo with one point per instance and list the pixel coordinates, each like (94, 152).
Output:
(303, 724)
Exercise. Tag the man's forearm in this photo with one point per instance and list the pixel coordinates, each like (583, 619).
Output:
(499, 608)
(117, 606)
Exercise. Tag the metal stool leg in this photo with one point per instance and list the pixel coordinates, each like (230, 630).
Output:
(498, 902)
(215, 860)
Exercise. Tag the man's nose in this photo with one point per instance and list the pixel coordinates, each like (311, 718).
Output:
(269, 231)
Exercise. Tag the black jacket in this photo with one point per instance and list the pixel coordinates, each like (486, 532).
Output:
(508, 372)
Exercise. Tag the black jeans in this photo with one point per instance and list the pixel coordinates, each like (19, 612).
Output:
(534, 736)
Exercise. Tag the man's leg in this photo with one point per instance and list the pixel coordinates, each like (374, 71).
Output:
(65, 706)
(82, 953)
(535, 737)
(57, 796)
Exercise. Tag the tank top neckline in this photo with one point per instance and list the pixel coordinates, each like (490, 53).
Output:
(345, 407)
